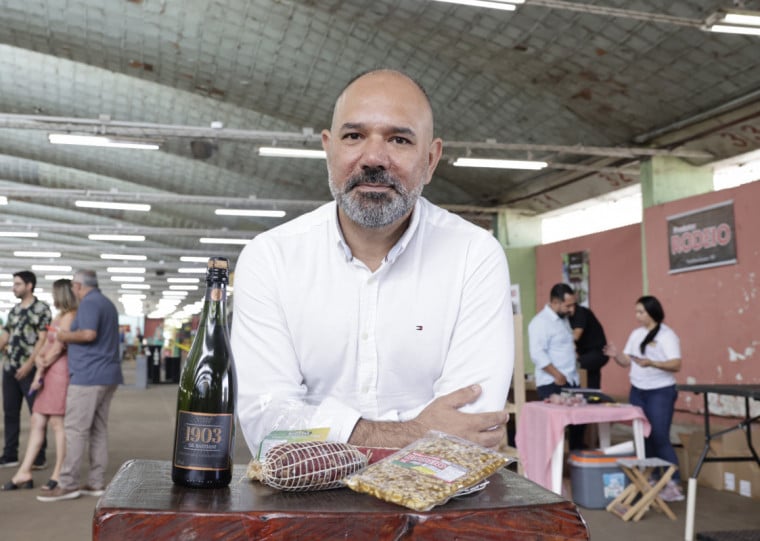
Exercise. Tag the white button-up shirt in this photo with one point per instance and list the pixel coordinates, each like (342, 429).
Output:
(319, 340)
(551, 342)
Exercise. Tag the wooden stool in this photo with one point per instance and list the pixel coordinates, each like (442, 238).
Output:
(638, 471)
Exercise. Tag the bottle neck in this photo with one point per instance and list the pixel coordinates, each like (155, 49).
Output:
(215, 304)
(216, 292)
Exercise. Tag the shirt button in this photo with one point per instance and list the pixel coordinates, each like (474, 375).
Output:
(365, 336)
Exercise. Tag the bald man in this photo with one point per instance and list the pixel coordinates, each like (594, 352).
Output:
(378, 316)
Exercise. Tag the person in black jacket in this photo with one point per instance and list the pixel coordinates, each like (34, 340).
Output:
(589, 343)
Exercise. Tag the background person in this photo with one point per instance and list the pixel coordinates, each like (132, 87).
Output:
(22, 336)
(653, 352)
(378, 315)
(50, 382)
(590, 340)
(95, 370)
(552, 350)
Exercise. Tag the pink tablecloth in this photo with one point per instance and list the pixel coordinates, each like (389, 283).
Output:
(541, 426)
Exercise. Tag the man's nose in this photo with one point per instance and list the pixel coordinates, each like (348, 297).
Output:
(375, 153)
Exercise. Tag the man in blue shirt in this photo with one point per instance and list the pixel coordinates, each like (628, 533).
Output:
(95, 369)
(552, 350)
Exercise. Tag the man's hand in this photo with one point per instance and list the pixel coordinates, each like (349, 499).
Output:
(442, 414)
(24, 370)
(486, 429)
(560, 379)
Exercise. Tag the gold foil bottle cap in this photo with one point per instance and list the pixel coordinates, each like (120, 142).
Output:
(217, 270)
(218, 263)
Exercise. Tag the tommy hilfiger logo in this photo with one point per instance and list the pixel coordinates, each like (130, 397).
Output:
(418, 327)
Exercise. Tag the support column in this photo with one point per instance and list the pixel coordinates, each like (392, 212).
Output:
(515, 228)
(664, 179)
(519, 234)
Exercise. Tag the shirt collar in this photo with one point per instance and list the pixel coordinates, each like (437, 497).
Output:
(397, 248)
(341, 240)
(551, 313)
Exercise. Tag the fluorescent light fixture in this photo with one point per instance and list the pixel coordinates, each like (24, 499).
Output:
(54, 277)
(124, 257)
(126, 270)
(6, 276)
(747, 18)
(112, 205)
(168, 293)
(734, 21)
(23, 234)
(6, 284)
(192, 270)
(127, 278)
(183, 280)
(3, 200)
(135, 238)
(37, 254)
(51, 268)
(493, 4)
(101, 141)
(280, 152)
(193, 259)
(250, 212)
(135, 286)
(133, 296)
(499, 164)
(183, 288)
(212, 240)
(729, 29)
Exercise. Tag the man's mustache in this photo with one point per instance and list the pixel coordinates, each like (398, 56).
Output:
(378, 177)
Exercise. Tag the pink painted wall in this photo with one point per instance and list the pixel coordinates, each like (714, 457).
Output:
(715, 312)
(615, 282)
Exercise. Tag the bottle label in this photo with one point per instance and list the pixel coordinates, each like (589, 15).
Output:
(204, 440)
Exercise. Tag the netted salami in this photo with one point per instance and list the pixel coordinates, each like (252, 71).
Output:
(308, 465)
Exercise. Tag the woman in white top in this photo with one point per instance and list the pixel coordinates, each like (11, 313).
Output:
(653, 352)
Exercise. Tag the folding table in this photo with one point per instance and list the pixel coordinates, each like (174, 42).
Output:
(751, 391)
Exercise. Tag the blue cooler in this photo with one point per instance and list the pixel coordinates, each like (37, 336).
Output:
(596, 478)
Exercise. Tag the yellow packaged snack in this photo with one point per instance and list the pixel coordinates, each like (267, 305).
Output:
(428, 471)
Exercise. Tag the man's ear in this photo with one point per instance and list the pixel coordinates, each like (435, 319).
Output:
(326, 135)
(434, 155)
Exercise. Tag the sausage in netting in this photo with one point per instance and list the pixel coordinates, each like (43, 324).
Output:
(309, 465)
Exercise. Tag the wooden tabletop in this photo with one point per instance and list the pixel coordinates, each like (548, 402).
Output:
(141, 503)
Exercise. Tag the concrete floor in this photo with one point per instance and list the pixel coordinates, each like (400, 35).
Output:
(142, 426)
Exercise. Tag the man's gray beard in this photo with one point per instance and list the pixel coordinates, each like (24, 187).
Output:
(374, 210)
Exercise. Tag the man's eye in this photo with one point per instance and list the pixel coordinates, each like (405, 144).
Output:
(401, 140)
(352, 136)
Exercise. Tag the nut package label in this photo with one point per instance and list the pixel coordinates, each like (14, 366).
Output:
(431, 465)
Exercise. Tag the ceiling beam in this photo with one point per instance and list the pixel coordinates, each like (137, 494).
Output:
(129, 230)
(158, 197)
(106, 126)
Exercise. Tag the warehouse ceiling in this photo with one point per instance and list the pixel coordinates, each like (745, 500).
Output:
(593, 88)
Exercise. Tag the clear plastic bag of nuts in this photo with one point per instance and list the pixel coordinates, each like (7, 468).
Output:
(428, 472)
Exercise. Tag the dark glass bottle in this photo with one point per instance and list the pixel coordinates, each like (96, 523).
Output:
(204, 437)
